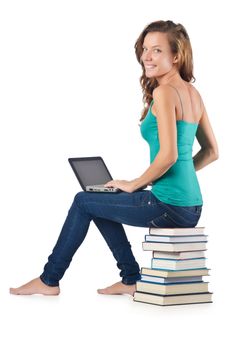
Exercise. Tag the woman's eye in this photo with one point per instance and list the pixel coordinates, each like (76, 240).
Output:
(155, 50)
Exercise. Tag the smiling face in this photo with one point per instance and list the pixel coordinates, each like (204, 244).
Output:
(157, 57)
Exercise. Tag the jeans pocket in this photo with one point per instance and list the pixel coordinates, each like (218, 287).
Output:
(195, 210)
(167, 220)
(145, 198)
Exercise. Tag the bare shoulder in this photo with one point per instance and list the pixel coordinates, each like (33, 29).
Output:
(162, 91)
(194, 92)
(164, 98)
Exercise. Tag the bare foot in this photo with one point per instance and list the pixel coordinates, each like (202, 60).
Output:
(118, 288)
(35, 286)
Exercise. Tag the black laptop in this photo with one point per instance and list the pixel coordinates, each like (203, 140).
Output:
(92, 174)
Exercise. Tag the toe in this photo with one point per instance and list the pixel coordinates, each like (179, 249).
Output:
(101, 291)
(13, 290)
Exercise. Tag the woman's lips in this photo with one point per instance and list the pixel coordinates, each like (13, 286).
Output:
(150, 66)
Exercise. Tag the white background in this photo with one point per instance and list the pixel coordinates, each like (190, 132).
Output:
(70, 87)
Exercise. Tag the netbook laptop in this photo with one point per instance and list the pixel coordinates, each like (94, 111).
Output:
(92, 174)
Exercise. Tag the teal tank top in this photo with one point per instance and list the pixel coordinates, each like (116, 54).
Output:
(179, 185)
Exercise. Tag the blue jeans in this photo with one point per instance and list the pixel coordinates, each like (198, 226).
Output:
(109, 211)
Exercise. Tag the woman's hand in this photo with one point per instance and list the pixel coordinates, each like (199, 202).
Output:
(124, 185)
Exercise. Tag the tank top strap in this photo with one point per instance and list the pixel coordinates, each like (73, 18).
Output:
(179, 98)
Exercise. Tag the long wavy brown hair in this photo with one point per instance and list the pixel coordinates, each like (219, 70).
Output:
(180, 45)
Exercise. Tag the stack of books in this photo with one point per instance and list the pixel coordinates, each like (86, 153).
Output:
(178, 265)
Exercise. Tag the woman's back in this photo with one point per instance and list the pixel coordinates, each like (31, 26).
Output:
(187, 100)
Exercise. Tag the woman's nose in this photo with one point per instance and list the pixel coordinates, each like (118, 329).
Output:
(147, 56)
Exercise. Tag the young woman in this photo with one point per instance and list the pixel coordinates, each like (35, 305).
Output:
(173, 115)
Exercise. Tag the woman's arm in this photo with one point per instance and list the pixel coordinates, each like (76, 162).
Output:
(209, 148)
(168, 152)
(167, 155)
(159, 167)
(203, 157)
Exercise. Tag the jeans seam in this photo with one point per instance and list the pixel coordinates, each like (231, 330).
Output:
(181, 217)
(166, 207)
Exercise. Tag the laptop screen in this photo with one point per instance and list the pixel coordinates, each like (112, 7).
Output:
(90, 171)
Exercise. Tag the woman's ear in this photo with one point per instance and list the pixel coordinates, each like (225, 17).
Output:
(175, 59)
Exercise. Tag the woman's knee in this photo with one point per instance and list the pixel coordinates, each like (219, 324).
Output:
(79, 197)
